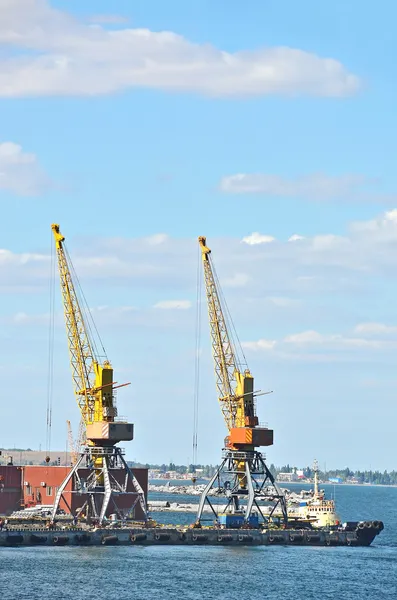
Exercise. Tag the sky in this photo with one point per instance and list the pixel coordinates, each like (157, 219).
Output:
(269, 127)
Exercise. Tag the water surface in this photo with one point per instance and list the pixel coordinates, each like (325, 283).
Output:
(191, 573)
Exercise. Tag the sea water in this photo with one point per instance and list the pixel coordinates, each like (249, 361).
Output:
(230, 573)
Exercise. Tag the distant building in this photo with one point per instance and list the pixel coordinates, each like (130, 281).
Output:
(353, 480)
(335, 480)
(154, 474)
(287, 477)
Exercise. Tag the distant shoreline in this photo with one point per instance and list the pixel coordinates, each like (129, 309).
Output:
(188, 482)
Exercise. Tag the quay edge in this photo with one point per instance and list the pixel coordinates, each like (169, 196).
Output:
(354, 534)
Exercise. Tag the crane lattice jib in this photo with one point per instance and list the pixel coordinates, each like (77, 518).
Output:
(80, 348)
(72, 445)
(222, 347)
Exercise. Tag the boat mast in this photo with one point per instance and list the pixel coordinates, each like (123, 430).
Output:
(315, 469)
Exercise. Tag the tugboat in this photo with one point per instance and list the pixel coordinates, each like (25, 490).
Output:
(318, 510)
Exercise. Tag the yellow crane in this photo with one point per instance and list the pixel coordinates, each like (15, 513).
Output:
(75, 444)
(243, 465)
(71, 442)
(94, 390)
(93, 381)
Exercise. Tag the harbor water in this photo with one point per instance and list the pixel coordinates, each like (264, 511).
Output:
(230, 573)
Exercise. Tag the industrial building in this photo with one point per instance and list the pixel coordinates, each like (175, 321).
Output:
(11, 491)
(30, 485)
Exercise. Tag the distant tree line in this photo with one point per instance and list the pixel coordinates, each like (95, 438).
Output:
(16, 449)
(346, 475)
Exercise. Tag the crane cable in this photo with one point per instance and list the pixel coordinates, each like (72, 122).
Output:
(89, 322)
(199, 284)
(232, 332)
(50, 364)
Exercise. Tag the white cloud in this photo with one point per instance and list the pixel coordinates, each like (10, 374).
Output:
(313, 346)
(20, 172)
(281, 302)
(322, 264)
(104, 313)
(259, 345)
(296, 237)
(382, 227)
(314, 338)
(50, 52)
(237, 280)
(157, 239)
(316, 186)
(12, 261)
(375, 329)
(113, 317)
(329, 241)
(324, 278)
(109, 19)
(119, 310)
(257, 238)
(173, 304)
(23, 318)
(306, 337)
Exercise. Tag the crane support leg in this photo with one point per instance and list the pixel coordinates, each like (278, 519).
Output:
(279, 496)
(251, 492)
(62, 487)
(108, 491)
(102, 487)
(207, 489)
(137, 486)
(259, 486)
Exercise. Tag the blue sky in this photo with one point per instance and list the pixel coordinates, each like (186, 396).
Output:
(140, 128)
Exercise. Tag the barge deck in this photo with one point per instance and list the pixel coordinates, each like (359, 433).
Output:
(351, 534)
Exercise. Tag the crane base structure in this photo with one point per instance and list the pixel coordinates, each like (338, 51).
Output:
(249, 467)
(100, 486)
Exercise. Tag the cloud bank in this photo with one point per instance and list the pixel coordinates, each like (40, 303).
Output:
(315, 187)
(314, 346)
(49, 52)
(256, 264)
(20, 172)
